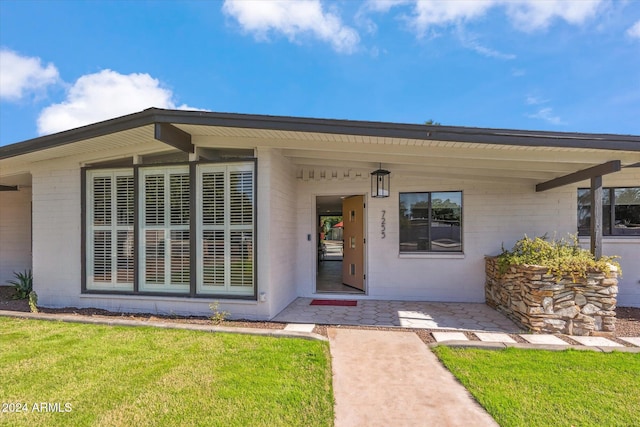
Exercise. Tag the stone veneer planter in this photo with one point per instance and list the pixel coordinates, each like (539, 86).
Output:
(544, 303)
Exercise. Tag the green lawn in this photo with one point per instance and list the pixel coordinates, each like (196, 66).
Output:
(124, 376)
(546, 388)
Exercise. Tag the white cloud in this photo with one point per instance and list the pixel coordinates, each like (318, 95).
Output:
(531, 15)
(535, 100)
(543, 113)
(470, 41)
(525, 15)
(293, 19)
(430, 13)
(547, 115)
(20, 75)
(634, 30)
(102, 96)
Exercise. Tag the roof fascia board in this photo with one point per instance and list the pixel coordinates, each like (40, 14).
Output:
(407, 131)
(330, 126)
(119, 124)
(572, 178)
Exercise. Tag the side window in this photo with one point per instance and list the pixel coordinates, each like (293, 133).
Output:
(431, 222)
(620, 211)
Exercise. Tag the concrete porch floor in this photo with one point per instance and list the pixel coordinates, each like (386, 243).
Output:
(406, 314)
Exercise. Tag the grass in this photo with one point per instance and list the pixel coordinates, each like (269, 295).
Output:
(546, 388)
(123, 376)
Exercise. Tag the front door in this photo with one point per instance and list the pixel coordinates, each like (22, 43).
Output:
(353, 248)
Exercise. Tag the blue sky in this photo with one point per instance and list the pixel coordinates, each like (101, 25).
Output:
(524, 64)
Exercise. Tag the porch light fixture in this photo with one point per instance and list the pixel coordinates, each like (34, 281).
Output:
(380, 181)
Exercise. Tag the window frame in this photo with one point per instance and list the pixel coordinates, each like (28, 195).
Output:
(227, 227)
(429, 251)
(610, 230)
(193, 227)
(113, 228)
(166, 227)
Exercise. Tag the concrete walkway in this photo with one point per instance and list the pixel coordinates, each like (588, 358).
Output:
(383, 378)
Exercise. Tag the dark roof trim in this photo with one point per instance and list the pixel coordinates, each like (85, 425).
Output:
(345, 127)
(572, 178)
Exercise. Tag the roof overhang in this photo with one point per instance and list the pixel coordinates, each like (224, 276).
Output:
(468, 153)
(155, 116)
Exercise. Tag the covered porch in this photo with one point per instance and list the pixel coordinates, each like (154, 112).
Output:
(403, 314)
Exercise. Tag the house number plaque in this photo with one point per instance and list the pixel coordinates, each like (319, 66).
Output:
(383, 226)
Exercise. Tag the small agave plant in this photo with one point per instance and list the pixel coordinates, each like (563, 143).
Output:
(23, 284)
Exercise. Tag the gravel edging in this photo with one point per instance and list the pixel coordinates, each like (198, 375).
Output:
(627, 325)
(165, 325)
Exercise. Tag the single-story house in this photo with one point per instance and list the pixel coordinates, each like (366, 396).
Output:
(168, 211)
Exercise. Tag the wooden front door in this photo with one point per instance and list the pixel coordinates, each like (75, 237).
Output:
(353, 247)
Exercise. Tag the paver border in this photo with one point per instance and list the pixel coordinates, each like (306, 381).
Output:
(281, 333)
(550, 347)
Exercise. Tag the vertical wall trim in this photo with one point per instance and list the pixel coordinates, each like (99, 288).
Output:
(596, 216)
(136, 228)
(83, 230)
(193, 228)
(255, 228)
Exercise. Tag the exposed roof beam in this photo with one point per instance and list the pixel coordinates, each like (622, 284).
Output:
(8, 188)
(572, 178)
(173, 136)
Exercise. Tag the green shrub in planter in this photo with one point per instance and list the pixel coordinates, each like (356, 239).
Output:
(562, 257)
(23, 284)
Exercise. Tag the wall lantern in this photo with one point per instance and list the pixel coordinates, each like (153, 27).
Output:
(380, 181)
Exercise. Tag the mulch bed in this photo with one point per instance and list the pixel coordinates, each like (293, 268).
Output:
(627, 324)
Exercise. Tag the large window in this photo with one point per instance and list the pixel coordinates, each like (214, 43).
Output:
(164, 229)
(431, 222)
(620, 211)
(225, 236)
(219, 235)
(110, 218)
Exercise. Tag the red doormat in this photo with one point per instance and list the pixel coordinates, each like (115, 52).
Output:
(338, 302)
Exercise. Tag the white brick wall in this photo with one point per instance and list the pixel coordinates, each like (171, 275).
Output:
(276, 229)
(56, 235)
(57, 256)
(15, 233)
(493, 214)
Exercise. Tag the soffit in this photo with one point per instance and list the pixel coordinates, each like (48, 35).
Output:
(258, 135)
(344, 156)
(313, 150)
(98, 147)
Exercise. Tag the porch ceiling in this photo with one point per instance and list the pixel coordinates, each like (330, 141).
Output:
(412, 157)
(528, 166)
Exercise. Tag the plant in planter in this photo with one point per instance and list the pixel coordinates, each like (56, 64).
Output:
(561, 257)
(23, 284)
(554, 286)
